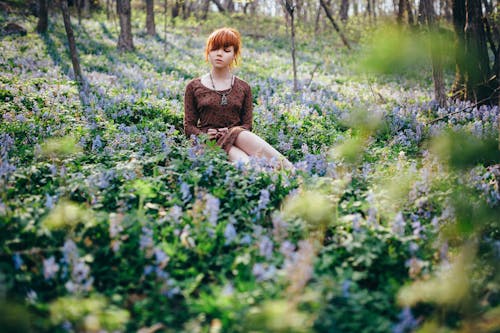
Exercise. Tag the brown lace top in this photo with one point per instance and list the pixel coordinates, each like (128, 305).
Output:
(202, 110)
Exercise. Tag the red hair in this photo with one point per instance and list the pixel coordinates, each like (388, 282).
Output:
(222, 38)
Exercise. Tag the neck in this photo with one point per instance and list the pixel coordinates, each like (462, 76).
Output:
(221, 73)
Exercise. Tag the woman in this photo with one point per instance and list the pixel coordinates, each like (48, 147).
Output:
(220, 104)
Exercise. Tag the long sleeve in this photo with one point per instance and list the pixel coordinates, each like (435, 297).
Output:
(191, 115)
(247, 112)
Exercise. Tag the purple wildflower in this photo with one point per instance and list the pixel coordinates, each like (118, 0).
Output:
(50, 268)
(266, 247)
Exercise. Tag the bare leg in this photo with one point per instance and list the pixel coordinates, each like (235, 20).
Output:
(236, 154)
(254, 145)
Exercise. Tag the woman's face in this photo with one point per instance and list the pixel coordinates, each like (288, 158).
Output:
(222, 57)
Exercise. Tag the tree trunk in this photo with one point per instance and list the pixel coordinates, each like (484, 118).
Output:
(150, 18)
(335, 26)
(401, 11)
(290, 9)
(125, 41)
(176, 9)
(230, 6)
(185, 9)
(78, 5)
(86, 8)
(344, 10)
(107, 9)
(206, 7)
(43, 17)
(316, 23)
(219, 6)
(71, 42)
(458, 25)
(409, 11)
(477, 85)
(427, 17)
(165, 7)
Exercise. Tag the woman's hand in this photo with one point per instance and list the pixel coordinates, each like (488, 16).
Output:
(212, 133)
(215, 133)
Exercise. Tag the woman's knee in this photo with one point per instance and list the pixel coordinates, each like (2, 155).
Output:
(251, 143)
(236, 154)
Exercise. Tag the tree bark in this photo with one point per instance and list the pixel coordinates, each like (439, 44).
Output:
(125, 40)
(458, 25)
(165, 7)
(78, 5)
(477, 86)
(107, 9)
(43, 17)
(150, 18)
(206, 7)
(316, 22)
(409, 11)
(344, 10)
(335, 26)
(230, 6)
(290, 8)
(86, 8)
(175, 9)
(71, 42)
(219, 6)
(427, 17)
(401, 11)
(473, 75)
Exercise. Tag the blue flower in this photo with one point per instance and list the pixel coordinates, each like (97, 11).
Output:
(229, 234)
(18, 261)
(50, 268)
(398, 225)
(407, 323)
(212, 209)
(96, 143)
(346, 284)
(266, 247)
(185, 191)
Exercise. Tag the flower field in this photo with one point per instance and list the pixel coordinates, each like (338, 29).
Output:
(111, 220)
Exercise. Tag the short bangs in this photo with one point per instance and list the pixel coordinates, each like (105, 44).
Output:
(222, 38)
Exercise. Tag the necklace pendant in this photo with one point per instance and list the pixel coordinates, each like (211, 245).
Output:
(223, 100)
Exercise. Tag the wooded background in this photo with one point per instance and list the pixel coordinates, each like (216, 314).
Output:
(474, 23)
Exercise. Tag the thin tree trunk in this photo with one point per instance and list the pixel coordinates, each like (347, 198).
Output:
(206, 6)
(335, 26)
(78, 5)
(459, 24)
(150, 18)
(71, 42)
(86, 8)
(344, 10)
(125, 40)
(43, 17)
(427, 16)
(165, 24)
(477, 87)
(401, 11)
(219, 6)
(107, 9)
(230, 6)
(185, 9)
(316, 23)
(176, 9)
(290, 9)
(409, 11)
